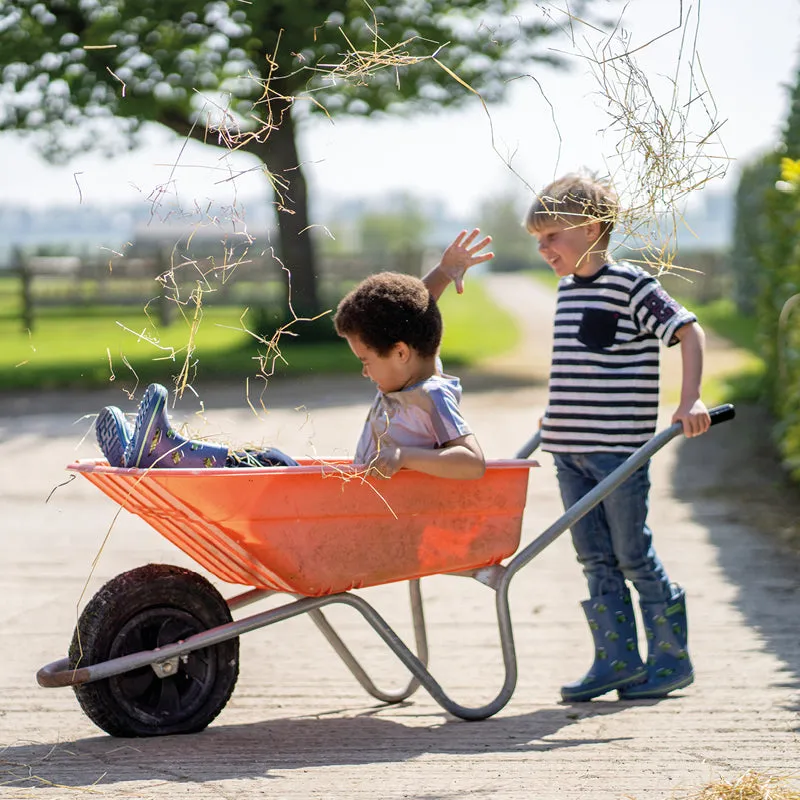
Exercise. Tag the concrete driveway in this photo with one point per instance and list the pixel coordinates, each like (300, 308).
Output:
(299, 726)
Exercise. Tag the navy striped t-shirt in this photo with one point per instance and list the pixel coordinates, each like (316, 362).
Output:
(605, 366)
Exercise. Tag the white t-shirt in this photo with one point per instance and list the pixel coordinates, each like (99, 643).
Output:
(426, 415)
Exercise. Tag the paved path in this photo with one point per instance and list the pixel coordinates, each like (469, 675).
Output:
(298, 725)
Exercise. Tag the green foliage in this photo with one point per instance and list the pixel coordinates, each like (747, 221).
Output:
(780, 322)
(514, 248)
(723, 317)
(233, 74)
(269, 320)
(70, 62)
(753, 232)
(767, 246)
(467, 343)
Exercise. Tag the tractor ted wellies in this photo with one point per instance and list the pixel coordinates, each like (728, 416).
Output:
(668, 664)
(616, 662)
(113, 432)
(155, 443)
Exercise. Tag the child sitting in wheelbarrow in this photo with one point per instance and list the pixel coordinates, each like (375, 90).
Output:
(393, 326)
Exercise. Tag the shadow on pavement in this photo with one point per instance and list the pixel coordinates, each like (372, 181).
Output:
(752, 513)
(230, 752)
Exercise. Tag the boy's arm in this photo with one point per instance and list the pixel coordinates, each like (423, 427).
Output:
(460, 458)
(459, 256)
(691, 412)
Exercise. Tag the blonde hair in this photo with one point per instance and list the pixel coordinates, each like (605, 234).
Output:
(577, 199)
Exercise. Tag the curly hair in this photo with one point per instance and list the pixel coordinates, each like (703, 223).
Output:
(573, 198)
(388, 308)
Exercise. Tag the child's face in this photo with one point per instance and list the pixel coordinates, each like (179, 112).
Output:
(390, 373)
(566, 247)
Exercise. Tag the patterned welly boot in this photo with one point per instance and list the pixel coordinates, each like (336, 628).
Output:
(616, 662)
(113, 433)
(668, 664)
(155, 443)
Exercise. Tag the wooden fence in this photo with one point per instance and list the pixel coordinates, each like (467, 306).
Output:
(161, 281)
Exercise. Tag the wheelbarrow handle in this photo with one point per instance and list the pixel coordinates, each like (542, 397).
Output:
(530, 446)
(718, 414)
(722, 413)
(604, 488)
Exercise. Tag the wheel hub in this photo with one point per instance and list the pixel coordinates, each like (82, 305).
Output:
(167, 690)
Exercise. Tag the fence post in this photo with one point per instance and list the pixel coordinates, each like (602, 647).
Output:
(165, 274)
(19, 266)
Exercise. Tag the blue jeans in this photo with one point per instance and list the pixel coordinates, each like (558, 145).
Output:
(612, 541)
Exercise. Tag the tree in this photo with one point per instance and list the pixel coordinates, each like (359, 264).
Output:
(232, 74)
(399, 227)
(514, 248)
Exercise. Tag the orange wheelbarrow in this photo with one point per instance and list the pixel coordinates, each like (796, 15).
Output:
(156, 650)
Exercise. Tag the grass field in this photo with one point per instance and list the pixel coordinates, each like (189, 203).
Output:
(744, 385)
(92, 346)
(89, 347)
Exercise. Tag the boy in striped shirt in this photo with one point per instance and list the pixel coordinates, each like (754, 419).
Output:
(610, 321)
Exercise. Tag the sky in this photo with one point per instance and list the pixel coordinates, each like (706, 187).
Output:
(743, 59)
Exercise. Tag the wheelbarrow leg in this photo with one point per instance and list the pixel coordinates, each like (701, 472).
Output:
(419, 670)
(358, 671)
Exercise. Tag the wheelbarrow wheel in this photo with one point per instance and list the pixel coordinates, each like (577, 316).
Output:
(142, 609)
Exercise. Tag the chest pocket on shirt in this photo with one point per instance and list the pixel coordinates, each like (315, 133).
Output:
(598, 328)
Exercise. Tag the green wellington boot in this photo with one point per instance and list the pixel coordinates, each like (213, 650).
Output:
(616, 662)
(154, 442)
(668, 664)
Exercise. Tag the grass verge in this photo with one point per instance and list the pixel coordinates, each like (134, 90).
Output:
(91, 347)
(744, 381)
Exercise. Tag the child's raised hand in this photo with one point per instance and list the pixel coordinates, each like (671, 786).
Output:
(462, 254)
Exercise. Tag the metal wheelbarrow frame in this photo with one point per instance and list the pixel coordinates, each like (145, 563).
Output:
(167, 660)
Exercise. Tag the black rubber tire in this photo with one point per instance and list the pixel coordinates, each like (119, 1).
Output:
(142, 609)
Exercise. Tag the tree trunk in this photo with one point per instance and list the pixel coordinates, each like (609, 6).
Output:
(279, 152)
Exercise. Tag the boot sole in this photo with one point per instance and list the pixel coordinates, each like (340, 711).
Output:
(113, 435)
(626, 693)
(582, 697)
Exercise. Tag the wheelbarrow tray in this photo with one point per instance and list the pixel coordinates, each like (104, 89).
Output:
(323, 528)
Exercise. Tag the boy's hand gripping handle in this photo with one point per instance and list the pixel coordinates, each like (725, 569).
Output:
(718, 414)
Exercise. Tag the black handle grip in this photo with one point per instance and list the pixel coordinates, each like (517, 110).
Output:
(722, 413)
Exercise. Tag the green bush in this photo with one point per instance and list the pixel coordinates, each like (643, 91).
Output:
(766, 261)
